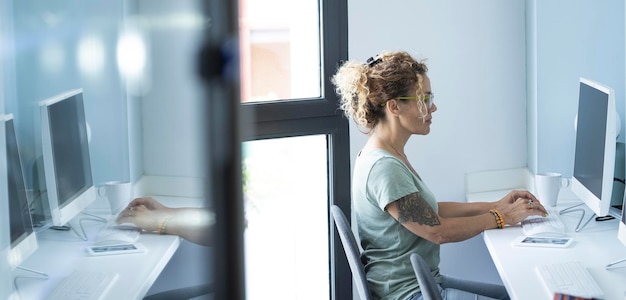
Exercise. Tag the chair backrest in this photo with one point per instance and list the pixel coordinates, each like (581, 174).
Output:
(428, 286)
(353, 253)
(425, 278)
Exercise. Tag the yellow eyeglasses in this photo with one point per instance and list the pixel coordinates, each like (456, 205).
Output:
(428, 99)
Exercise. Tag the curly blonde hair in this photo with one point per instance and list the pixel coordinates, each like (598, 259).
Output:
(365, 87)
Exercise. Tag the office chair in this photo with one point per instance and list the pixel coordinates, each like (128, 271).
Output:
(425, 279)
(353, 253)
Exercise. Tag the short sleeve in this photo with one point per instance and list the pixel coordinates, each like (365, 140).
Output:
(388, 181)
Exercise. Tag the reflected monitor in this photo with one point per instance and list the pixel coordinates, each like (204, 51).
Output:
(621, 236)
(23, 237)
(621, 232)
(66, 159)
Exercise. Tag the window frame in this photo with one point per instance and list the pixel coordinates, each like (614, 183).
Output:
(230, 122)
(319, 115)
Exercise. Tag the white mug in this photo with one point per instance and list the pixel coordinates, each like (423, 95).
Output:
(548, 186)
(118, 194)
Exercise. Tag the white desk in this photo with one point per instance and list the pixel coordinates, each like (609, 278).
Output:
(595, 246)
(61, 252)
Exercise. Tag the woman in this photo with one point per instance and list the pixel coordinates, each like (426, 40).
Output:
(390, 97)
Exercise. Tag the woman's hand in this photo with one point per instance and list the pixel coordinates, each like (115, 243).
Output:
(518, 205)
(191, 223)
(149, 202)
(145, 213)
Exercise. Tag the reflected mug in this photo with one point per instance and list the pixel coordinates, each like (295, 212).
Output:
(117, 193)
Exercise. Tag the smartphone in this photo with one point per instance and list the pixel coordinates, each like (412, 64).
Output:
(535, 241)
(115, 249)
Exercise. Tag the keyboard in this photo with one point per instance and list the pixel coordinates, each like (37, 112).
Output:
(536, 225)
(84, 285)
(112, 233)
(570, 278)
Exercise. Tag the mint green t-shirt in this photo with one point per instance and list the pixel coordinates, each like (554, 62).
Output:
(379, 178)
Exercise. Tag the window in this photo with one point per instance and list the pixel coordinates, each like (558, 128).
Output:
(285, 198)
(296, 157)
(280, 50)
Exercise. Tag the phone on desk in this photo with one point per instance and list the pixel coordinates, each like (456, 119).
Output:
(542, 241)
(98, 250)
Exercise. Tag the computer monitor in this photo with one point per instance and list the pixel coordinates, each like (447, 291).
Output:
(594, 156)
(66, 160)
(621, 231)
(621, 236)
(22, 236)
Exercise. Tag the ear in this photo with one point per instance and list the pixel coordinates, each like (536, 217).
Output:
(392, 107)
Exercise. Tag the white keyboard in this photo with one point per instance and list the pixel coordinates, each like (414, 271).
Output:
(84, 285)
(536, 225)
(571, 278)
(116, 234)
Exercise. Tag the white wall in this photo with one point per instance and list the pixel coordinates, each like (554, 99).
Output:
(585, 40)
(477, 70)
(172, 148)
(173, 142)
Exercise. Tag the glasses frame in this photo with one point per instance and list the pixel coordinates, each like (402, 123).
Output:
(429, 99)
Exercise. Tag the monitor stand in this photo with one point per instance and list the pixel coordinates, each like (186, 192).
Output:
(81, 234)
(39, 274)
(613, 213)
(616, 264)
(31, 274)
(574, 208)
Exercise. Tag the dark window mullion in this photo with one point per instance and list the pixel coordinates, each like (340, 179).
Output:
(296, 109)
(339, 194)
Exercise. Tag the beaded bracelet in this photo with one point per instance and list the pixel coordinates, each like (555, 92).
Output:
(498, 216)
(162, 225)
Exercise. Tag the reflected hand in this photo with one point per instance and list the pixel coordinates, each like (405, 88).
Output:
(145, 213)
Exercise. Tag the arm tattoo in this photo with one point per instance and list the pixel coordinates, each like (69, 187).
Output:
(414, 208)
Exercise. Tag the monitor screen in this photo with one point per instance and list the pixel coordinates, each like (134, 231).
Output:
(67, 163)
(23, 238)
(594, 154)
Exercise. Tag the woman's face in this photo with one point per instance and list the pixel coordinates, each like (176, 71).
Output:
(415, 115)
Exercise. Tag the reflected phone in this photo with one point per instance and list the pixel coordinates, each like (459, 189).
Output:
(127, 248)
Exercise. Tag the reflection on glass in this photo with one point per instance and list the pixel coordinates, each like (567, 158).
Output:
(52, 57)
(286, 238)
(91, 55)
(280, 49)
